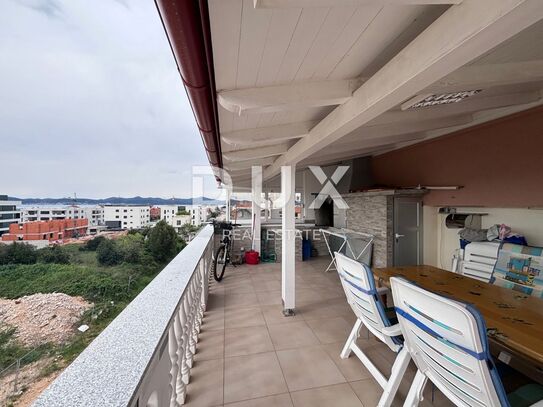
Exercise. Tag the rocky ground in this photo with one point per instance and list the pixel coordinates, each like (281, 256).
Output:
(43, 318)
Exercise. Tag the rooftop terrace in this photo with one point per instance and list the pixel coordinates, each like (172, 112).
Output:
(249, 354)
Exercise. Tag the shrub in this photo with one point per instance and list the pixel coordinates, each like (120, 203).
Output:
(162, 242)
(54, 254)
(108, 254)
(93, 244)
(131, 248)
(76, 280)
(18, 253)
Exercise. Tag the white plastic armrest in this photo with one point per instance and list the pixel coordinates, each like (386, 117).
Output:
(393, 330)
(382, 290)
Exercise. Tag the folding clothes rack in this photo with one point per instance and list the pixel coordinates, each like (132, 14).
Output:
(343, 235)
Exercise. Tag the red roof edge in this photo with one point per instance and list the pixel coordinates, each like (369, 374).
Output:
(186, 23)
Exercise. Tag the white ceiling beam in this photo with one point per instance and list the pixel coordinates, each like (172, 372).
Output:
(375, 132)
(489, 75)
(282, 98)
(342, 3)
(255, 153)
(245, 165)
(372, 143)
(343, 156)
(470, 105)
(236, 140)
(461, 34)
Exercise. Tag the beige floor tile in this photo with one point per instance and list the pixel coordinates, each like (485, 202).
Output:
(352, 368)
(215, 301)
(269, 297)
(307, 296)
(267, 285)
(330, 330)
(368, 391)
(273, 314)
(339, 395)
(252, 376)
(213, 320)
(375, 354)
(242, 284)
(307, 368)
(292, 335)
(323, 309)
(206, 384)
(280, 400)
(243, 317)
(210, 345)
(240, 300)
(246, 341)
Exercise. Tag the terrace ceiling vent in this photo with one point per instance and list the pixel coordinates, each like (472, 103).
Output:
(428, 100)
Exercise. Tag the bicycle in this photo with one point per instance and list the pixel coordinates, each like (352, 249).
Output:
(223, 253)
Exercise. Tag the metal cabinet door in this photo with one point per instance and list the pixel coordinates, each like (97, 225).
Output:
(407, 231)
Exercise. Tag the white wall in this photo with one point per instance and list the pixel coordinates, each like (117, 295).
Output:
(440, 243)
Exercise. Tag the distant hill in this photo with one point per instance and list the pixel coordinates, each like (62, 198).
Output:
(137, 200)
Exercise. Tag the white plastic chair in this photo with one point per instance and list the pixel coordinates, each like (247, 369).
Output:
(447, 341)
(479, 260)
(364, 299)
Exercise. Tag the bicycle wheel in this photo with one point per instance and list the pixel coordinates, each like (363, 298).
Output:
(219, 264)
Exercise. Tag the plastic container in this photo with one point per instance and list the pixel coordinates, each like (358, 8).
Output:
(252, 257)
(306, 249)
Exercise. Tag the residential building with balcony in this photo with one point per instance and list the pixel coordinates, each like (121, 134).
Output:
(127, 216)
(8, 213)
(94, 213)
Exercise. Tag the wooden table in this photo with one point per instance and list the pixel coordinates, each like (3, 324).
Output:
(514, 320)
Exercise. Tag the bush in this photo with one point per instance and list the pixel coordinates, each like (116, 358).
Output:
(18, 253)
(54, 254)
(76, 280)
(131, 248)
(108, 254)
(162, 242)
(93, 244)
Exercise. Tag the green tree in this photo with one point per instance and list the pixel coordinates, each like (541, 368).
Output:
(18, 253)
(131, 248)
(54, 254)
(93, 244)
(108, 253)
(162, 242)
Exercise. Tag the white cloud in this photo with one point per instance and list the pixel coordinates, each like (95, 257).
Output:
(91, 102)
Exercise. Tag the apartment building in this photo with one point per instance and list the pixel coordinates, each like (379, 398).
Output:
(193, 214)
(8, 213)
(127, 216)
(51, 230)
(168, 212)
(95, 214)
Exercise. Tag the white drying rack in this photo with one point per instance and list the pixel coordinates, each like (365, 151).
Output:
(345, 243)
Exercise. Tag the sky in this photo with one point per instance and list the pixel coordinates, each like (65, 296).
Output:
(91, 102)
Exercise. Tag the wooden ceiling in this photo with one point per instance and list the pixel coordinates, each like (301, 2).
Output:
(319, 81)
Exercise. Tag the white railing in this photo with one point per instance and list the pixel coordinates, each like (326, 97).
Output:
(143, 358)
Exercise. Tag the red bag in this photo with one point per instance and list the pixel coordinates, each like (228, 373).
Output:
(252, 257)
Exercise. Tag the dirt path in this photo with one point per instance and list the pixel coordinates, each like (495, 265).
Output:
(34, 390)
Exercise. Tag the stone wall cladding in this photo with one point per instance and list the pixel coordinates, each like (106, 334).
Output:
(374, 215)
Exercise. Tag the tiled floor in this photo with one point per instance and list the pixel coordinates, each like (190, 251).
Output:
(250, 355)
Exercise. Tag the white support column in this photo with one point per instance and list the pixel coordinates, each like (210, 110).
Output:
(256, 189)
(267, 206)
(288, 239)
(228, 197)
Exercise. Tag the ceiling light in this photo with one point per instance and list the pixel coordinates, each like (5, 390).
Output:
(441, 99)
